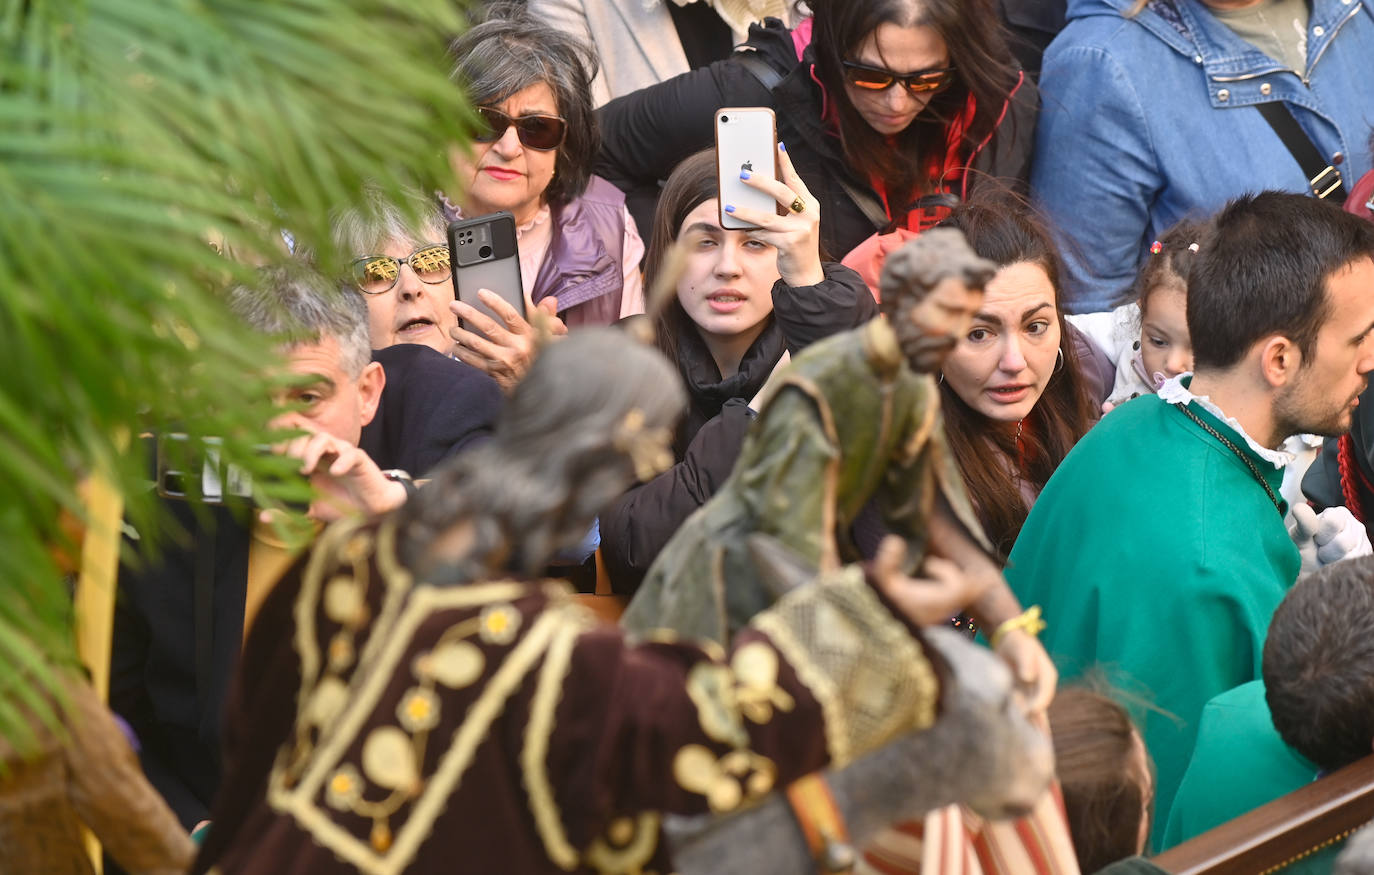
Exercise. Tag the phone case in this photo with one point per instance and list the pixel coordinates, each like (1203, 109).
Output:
(484, 256)
(746, 139)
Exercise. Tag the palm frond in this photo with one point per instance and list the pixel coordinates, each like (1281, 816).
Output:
(128, 131)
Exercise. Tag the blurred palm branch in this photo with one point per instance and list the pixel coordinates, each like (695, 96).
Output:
(131, 132)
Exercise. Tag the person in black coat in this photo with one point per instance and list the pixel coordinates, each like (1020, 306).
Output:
(744, 300)
(877, 149)
(181, 612)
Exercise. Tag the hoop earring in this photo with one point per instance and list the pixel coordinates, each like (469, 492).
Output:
(941, 378)
(1058, 361)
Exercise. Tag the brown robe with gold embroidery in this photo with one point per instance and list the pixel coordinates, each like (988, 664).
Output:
(383, 724)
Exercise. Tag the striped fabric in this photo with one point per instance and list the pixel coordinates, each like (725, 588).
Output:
(955, 841)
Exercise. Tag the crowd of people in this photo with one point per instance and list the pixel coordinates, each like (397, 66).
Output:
(1060, 335)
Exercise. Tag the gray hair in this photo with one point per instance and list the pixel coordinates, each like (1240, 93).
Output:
(299, 305)
(378, 218)
(501, 56)
(572, 437)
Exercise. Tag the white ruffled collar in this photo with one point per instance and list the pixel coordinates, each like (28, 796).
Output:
(1175, 392)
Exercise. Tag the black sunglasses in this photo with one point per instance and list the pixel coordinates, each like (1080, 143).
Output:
(541, 132)
(377, 274)
(877, 79)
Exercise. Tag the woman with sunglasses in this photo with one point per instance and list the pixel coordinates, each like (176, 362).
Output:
(531, 155)
(890, 110)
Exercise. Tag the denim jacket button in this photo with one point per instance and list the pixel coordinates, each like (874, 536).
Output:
(1223, 95)
(1197, 59)
(1337, 159)
(1266, 88)
(1318, 30)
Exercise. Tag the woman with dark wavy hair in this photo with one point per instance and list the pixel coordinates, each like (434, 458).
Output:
(887, 108)
(1016, 392)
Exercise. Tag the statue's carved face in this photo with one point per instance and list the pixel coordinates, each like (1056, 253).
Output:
(929, 328)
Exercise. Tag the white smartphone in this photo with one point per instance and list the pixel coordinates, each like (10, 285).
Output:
(746, 139)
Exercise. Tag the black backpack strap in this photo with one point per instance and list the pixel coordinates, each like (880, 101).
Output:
(1323, 179)
(760, 69)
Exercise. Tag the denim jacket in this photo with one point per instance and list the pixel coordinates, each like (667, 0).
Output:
(1148, 120)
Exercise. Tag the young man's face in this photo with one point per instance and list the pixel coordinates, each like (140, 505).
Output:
(334, 402)
(1323, 397)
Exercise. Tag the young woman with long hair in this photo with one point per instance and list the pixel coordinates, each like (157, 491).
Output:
(1014, 392)
(742, 301)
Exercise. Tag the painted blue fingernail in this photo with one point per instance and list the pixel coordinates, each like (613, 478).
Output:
(744, 174)
(729, 208)
(782, 146)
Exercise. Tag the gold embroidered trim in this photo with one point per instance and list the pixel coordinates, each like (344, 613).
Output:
(323, 761)
(538, 731)
(626, 847)
(869, 675)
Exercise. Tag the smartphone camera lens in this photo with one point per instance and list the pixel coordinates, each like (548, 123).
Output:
(724, 119)
(484, 252)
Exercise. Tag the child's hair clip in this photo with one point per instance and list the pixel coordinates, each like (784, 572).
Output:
(1156, 248)
(1192, 247)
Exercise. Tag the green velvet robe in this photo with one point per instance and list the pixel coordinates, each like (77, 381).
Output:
(1158, 559)
(1239, 763)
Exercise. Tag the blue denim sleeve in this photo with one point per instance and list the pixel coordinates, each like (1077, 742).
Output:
(1094, 173)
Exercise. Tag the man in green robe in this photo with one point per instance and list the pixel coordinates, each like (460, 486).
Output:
(853, 418)
(1158, 548)
(1312, 714)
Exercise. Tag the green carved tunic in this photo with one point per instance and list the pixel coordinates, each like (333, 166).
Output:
(847, 421)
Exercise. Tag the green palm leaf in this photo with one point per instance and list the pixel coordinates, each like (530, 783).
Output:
(128, 130)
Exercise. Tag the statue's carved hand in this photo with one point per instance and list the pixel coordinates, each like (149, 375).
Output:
(941, 591)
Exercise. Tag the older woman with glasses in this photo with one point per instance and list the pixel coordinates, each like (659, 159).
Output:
(890, 110)
(402, 268)
(532, 155)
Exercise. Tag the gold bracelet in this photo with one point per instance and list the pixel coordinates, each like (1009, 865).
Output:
(1027, 621)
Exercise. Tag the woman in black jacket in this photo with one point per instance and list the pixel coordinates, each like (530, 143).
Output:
(744, 300)
(890, 109)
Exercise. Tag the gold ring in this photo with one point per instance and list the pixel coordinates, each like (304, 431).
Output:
(798, 205)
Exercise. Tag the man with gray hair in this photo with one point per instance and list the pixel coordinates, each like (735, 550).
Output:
(182, 615)
(325, 333)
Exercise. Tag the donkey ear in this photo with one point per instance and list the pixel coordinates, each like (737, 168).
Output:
(780, 570)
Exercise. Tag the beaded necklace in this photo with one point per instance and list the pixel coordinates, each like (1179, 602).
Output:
(1240, 454)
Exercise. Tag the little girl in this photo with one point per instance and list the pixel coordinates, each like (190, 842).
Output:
(1148, 339)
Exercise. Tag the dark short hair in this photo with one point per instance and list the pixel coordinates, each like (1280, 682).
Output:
(1264, 272)
(1319, 664)
(501, 56)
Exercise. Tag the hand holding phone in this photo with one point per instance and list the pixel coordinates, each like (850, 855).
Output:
(791, 223)
(502, 347)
